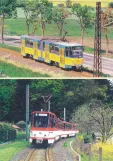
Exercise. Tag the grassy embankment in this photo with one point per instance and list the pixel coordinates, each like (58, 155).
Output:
(9, 150)
(10, 70)
(107, 150)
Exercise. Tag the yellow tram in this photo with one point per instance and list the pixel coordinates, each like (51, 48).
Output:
(52, 51)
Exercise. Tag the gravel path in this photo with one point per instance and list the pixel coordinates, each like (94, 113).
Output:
(62, 151)
(21, 155)
(30, 154)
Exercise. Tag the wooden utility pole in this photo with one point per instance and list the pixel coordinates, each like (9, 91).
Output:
(97, 66)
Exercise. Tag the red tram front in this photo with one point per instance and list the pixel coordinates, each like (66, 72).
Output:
(46, 127)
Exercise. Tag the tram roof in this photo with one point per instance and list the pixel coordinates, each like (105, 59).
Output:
(52, 40)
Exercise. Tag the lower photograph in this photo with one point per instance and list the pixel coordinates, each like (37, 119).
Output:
(56, 120)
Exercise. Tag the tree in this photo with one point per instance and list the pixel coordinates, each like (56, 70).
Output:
(27, 7)
(68, 3)
(107, 17)
(95, 116)
(7, 8)
(59, 16)
(7, 91)
(110, 5)
(45, 10)
(84, 16)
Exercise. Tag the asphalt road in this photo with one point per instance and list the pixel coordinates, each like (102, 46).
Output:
(107, 64)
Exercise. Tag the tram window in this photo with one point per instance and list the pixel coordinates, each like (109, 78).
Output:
(51, 48)
(66, 51)
(40, 121)
(38, 45)
(26, 42)
(29, 43)
(56, 49)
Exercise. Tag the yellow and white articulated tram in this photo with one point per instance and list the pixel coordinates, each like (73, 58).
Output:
(52, 51)
(47, 128)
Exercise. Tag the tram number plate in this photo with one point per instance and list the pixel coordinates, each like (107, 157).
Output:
(39, 140)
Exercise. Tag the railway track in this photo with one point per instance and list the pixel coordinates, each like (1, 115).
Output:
(39, 155)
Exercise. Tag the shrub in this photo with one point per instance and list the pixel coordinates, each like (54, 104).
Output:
(68, 3)
(21, 135)
(87, 139)
(7, 132)
(21, 124)
(110, 5)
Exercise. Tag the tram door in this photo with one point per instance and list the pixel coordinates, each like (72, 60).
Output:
(40, 47)
(47, 53)
(62, 58)
(35, 50)
(23, 48)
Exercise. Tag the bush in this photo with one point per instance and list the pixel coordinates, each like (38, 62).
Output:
(21, 124)
(21, 135)
(87, 139)
(110, 5)
(68, 3)
(7, 132)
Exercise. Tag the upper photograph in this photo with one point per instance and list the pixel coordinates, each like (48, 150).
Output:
(56, 38)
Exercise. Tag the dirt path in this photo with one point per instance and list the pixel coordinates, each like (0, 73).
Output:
(16, 59)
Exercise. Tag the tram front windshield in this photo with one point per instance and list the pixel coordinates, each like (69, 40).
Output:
(40, 120)
(76, 52)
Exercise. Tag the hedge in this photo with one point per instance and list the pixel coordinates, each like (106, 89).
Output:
(7, 132)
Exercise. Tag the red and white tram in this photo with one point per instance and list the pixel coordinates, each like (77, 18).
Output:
(46, 127)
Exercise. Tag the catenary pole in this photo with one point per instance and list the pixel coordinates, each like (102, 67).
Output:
(64, 114)
(27, 112)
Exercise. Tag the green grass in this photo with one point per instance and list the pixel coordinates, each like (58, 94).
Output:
(9, 150)
(18, 27)
(10, 70)
(10, 47)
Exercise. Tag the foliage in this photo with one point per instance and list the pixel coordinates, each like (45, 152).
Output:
(7, 91)
(45, 10)
(59, 16)
(107, 17)
(21, 124)
(68, 3)
(84, 16)
(110, 5)
(71, 94)
(9, 150)
(27, 7)
(96, 116)
(87, 139)
(21, 135)
(7, 132)
(7, 9)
